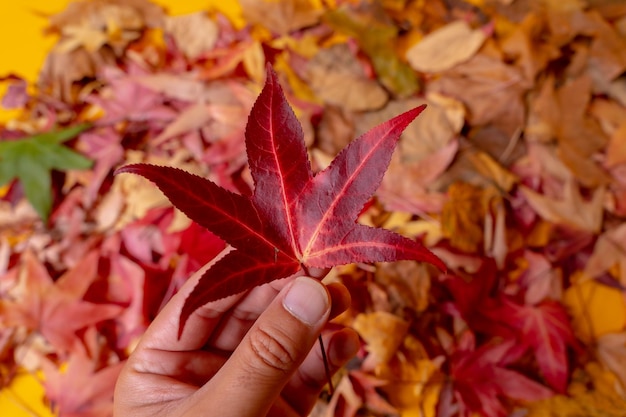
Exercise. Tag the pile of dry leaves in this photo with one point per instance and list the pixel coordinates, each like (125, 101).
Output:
(515, 176)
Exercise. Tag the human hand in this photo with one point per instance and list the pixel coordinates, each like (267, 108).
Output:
(251, 354)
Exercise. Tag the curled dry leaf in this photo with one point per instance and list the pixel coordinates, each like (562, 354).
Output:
(525, 45)
(338, 78)
(571, 210)
(616, 150)
(194, 33)
(612, 353)
(446, 47)
(608, 253)
(281, 16)
(490, 89)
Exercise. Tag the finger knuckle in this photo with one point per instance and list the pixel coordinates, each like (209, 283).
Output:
(273, 348)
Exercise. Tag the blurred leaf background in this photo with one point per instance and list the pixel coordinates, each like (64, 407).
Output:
(24, 55)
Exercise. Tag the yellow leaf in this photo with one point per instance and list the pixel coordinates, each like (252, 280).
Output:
(596, 309)
(462, 217)
(299, 87)
(254, 62)
(591, 394)
(427, 406)
(383, 332)
(306, 46)
(230, 9)
(24, 398)
(4, 190)
(429, 229)
(489, 168)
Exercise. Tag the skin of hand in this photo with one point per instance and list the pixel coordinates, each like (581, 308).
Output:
(252, 354)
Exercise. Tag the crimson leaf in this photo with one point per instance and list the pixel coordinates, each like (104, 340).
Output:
(294, 219)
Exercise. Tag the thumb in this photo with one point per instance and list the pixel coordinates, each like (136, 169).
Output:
(273, 349)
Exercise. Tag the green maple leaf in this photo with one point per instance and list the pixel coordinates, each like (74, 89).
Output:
(31, 159)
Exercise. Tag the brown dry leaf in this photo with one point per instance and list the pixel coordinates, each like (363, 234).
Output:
(576, 128)
(563, 6)
(616, 201)
(616, 89)
(492, 170)
(543, 114)
(609, 114)
(337, 77)
(61, 70)
(407, 284)
(383, 333)
(491, 90)
(526, 46)
(438, 125)
(92, 24)
(193, 117)
(543, 162)
(462, 217)
(216, 121)
(609, 252)
(495, 244)
(616, 150)
(562, 115)
(85, 27)
(571, 210)
(181, 87)
(336, 130)
(607, 50)
(612, 354)
(283, 16)
(193, 33)
(445, 47)
(588, 172)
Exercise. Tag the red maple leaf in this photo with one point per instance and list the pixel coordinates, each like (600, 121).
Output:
(480, 378)
(294, 220)
(83, 386)
(57, 309)
(545, 328)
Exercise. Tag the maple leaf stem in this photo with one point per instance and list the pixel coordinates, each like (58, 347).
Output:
(331, 388)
